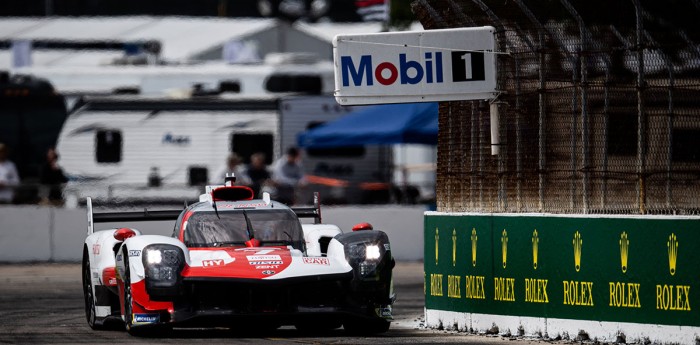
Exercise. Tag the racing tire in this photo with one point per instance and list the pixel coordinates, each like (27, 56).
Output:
(141, 331)
(128, 300)
(366, 327)
(88, 293)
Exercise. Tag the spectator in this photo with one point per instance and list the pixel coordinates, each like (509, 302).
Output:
(233, 166)
(257, 172)
(52, 177)
(9, 178)
(288, 174)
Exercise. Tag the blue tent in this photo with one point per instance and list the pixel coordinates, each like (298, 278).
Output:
(415, 123)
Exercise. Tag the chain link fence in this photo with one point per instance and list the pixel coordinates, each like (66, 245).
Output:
(599, 111)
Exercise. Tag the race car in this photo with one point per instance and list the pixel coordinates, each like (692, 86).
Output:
(240, 263)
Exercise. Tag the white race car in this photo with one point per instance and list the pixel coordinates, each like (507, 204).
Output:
(237, 262)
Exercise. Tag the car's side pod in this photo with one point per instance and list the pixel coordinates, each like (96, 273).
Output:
(369, 255)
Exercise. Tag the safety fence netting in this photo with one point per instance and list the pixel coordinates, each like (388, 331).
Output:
(599, 110)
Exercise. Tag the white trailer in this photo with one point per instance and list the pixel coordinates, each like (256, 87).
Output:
(111, 147)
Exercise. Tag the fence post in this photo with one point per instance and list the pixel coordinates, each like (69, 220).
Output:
(641, 118)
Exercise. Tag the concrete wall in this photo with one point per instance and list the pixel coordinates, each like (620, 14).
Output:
(35, 233)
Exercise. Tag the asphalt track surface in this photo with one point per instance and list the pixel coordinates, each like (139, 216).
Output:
(43, 304)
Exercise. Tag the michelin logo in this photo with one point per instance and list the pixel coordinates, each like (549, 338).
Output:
(146, 318)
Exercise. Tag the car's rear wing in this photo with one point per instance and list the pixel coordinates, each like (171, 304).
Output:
(310, 212)
(145, 215)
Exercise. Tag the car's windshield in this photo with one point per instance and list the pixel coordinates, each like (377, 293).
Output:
(270, 227)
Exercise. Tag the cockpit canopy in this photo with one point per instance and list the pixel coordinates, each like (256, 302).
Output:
(232, 228)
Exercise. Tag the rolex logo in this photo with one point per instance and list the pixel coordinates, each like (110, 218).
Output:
(454, 247)
(535, 245)
(624, 251)
(578, 243)
(437, 239)
(504, 246)
(474, 238)
(672, 253)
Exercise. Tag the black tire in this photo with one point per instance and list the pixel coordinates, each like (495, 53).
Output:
(140, 331)
(128, 300)
(366, 327)
(88, 294)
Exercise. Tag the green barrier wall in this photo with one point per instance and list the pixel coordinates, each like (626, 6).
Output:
(640, 270)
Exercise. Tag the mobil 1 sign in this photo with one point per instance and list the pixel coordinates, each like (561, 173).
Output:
(424, 66)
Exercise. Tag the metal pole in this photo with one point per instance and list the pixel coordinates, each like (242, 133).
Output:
(48, 8)
(641, 119)
(518, 140)
(474, 151)
(573, 137)
(584, 101)
(606, 105)
(541, 129)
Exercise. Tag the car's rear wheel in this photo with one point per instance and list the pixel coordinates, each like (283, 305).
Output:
(88, 293)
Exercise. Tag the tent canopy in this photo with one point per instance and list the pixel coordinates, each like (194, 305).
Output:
(410, 123)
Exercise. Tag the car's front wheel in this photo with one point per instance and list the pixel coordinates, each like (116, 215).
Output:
(140, 331)
(128, 300)
(88, 293)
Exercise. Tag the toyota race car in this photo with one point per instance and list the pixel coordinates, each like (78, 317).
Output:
(240, 263)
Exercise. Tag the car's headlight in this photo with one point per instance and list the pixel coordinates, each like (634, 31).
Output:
(365, 257)
(163, 264)
(372, 252)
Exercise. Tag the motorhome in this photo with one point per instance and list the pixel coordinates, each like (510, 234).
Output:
(116, 148)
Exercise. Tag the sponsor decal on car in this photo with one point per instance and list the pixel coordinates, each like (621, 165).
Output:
(96, 249)
(268, 272)
(316, 261)
(266, 263)
(263, 257)
(210, 263)
(266, 267)
(146, 318)
(385, 312)
(134, 253)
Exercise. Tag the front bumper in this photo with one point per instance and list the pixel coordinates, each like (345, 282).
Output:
(211, 302)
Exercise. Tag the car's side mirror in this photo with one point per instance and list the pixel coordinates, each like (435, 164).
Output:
(123, 233)
(362, 226)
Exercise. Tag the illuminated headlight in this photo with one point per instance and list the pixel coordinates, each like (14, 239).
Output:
(163, 263)
(154, 256)
(365, 257)
(372, 252)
